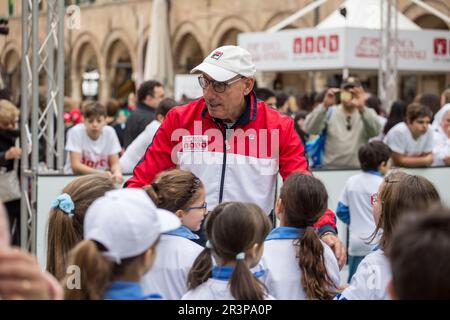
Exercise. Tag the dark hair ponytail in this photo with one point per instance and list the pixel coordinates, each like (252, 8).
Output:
(201, 269)
(305, 200)
(244, 285)
(315, 281)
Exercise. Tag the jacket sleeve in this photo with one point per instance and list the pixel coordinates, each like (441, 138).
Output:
(157, 158)
(316, 120)
(371, 123)
(292, 153)
(292, 159)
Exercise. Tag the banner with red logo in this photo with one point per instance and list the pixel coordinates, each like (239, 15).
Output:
(353, 48)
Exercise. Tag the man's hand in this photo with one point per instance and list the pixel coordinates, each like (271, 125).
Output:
(21, 277)
(117, 178)
(359, 98)
(330, 97)
(447, 161)
(337, 246)
(13, 153)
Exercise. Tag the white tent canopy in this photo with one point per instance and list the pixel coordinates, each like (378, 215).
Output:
(340, 43)
(363, 14)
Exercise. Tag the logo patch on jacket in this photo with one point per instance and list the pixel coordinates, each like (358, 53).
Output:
(216, 55)
(197, 143)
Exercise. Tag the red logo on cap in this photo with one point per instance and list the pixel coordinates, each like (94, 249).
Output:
(216, 55)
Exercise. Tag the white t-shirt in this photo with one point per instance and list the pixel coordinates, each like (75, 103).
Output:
(175, 256)
(137, 148)
(94, 153)
(356, 196)
(401, 141)
(283, 275)
(441, 147)
(213, 289)
(371, 279)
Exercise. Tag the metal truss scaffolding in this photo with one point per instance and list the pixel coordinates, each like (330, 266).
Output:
(387, 73)
(40, 123)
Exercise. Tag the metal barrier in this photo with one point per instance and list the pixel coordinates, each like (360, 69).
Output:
(50, 186)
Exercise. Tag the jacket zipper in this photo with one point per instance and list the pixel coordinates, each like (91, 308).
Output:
(224, 163)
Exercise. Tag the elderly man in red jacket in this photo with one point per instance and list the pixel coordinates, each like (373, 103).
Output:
(234, 143)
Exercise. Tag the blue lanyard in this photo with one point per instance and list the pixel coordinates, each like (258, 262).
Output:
(285, 233)
(183, 232)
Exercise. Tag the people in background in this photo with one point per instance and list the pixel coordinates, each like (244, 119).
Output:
(355, 208)
(137, 148)
(411, 141)
(149, 95)
(441, 149)
(349, 125)
(92, 146)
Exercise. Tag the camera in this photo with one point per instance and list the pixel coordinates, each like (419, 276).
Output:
(4, 29)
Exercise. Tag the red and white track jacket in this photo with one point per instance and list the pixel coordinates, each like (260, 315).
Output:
(237, 164)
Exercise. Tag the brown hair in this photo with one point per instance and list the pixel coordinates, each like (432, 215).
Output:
(8, 112)
(65, 231)
(174, 189)
(426, 236)
(446, 96)
(97, 271)
(222, 225)
(112, 107)
(416, 110)
(402, 194)
(94, 109)
(305, 200)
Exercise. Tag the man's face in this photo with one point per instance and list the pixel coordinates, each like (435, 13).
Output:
(446, 124)
(158, 95)
(419, 126)
(229, 104)
(94, 126)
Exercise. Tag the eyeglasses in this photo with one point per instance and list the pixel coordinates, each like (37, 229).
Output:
(349, 123)
(204, 206)
(218, 87)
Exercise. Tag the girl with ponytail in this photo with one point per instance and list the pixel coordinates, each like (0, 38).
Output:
(121, 233)
(299, 265)
(236, 233)
(182, 193)
(65, 224)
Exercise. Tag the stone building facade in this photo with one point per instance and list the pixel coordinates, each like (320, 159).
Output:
(113, 34)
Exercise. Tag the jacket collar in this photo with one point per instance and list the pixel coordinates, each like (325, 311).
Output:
(248, 115)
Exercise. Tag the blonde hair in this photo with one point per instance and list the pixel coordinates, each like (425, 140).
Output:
(8, 112)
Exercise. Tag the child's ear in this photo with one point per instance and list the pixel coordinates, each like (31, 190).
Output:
(180, 213)
(149, 257)
(253, 252)
(391, 290)
(279, 209)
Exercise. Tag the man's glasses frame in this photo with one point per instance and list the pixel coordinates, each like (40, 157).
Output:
(218, 86)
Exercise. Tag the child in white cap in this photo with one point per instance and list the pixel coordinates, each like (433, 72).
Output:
(182, 193)
(121, 232)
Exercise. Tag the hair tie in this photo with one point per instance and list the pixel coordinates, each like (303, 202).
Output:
(155, 187)
(240, 256)
(209, 245)
(65, 203)
(195, 184)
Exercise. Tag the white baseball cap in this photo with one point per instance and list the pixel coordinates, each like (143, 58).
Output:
(226, 62)
(127, 223)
